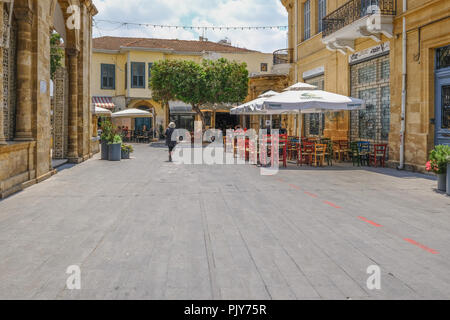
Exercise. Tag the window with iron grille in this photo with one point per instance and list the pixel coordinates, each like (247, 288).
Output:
(322, 12)
(445, 107)
(138, 75)
(443, 57)
(108, 76)
(315, 122)
(370, 81)
(307, 20)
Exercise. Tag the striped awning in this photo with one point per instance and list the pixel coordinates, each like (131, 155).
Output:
(103, 102)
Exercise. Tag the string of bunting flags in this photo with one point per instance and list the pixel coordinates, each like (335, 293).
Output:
(162, 26)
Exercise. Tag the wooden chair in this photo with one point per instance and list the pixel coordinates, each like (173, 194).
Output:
(283, 143)
(364, 151)
(356, 157)
(343, 150)
(319, 154)
(329, 153)
(306, 152)
(379, 153)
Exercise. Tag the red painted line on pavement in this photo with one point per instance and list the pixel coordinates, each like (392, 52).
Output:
(371, 222)
(421, 246)
(280, 180)
(332, 204)
(294, 186)
(311, 194)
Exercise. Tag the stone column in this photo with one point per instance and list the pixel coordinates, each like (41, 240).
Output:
(24, 111)
(73, 104)
(2, 133)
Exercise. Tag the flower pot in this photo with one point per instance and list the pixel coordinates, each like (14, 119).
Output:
(125, 154)
(105, 150)
(114, 153)
(442, 182)
(448, 178)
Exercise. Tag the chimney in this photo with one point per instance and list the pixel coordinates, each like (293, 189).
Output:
(201, 38)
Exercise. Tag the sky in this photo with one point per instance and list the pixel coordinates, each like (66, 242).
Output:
(196, 13)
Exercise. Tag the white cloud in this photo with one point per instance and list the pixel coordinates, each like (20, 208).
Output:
(197, 13)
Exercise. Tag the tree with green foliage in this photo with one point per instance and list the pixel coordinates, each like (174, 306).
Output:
(56, 53)
(163, 82)
(209, 83)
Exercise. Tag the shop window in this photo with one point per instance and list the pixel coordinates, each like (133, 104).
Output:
(385, 70)
(367, 74)
(368, 117)
(207, 116)
(385, 112)
(445, 107)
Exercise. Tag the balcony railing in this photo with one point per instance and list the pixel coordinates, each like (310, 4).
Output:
(355, 10)
(283, 56)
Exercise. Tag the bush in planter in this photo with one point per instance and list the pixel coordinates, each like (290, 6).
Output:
(115, 148)
(438, 164)
(126, 151)
(106, 137)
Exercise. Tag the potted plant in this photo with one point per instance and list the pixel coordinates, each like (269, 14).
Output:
(126, 151)
(114, 152)
(106, 137)
(438, 164)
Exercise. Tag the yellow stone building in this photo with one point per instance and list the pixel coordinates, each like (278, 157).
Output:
(121, 68)
(25, 108)
(358, 48)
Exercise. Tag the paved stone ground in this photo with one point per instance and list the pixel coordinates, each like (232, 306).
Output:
(148, 229)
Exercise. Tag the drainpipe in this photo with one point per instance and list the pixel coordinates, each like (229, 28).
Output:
(128, 76)
(403, 114)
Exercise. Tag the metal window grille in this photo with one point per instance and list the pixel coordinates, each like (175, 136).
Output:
(370, 81)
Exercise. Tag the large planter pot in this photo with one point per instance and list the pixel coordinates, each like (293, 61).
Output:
(125, 154)
(442, 182)
(105, 151)
(114, 152)
(448, 178)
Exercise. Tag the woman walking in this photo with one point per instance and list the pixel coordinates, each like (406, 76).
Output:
(169, 142)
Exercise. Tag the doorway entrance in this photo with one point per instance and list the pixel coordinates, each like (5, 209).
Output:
(224, 121)
(442, 100)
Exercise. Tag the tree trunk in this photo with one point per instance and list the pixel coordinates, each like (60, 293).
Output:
(167, 112)
(201, 115)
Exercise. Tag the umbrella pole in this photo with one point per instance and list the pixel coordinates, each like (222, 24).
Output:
(299, 126)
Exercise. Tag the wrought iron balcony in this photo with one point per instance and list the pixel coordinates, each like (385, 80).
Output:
(283, 56)
(354, 10)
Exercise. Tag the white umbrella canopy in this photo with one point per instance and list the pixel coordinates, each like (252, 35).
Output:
(254, 107)
(132, 113)
(301, 86)
(318, 100)
(102, 112)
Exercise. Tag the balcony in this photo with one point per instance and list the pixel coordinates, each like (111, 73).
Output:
(282, 60)
(358, 19)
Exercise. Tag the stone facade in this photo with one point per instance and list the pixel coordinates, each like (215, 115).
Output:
(427, 25)
(25, 114)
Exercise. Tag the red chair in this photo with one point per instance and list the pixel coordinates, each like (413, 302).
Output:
(379, 154)
(306, 153)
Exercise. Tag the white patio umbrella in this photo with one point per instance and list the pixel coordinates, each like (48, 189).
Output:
(254, 107)
(102, 112)
(132, 113)
(301, 98)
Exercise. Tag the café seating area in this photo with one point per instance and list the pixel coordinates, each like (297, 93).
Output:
(316, 152)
